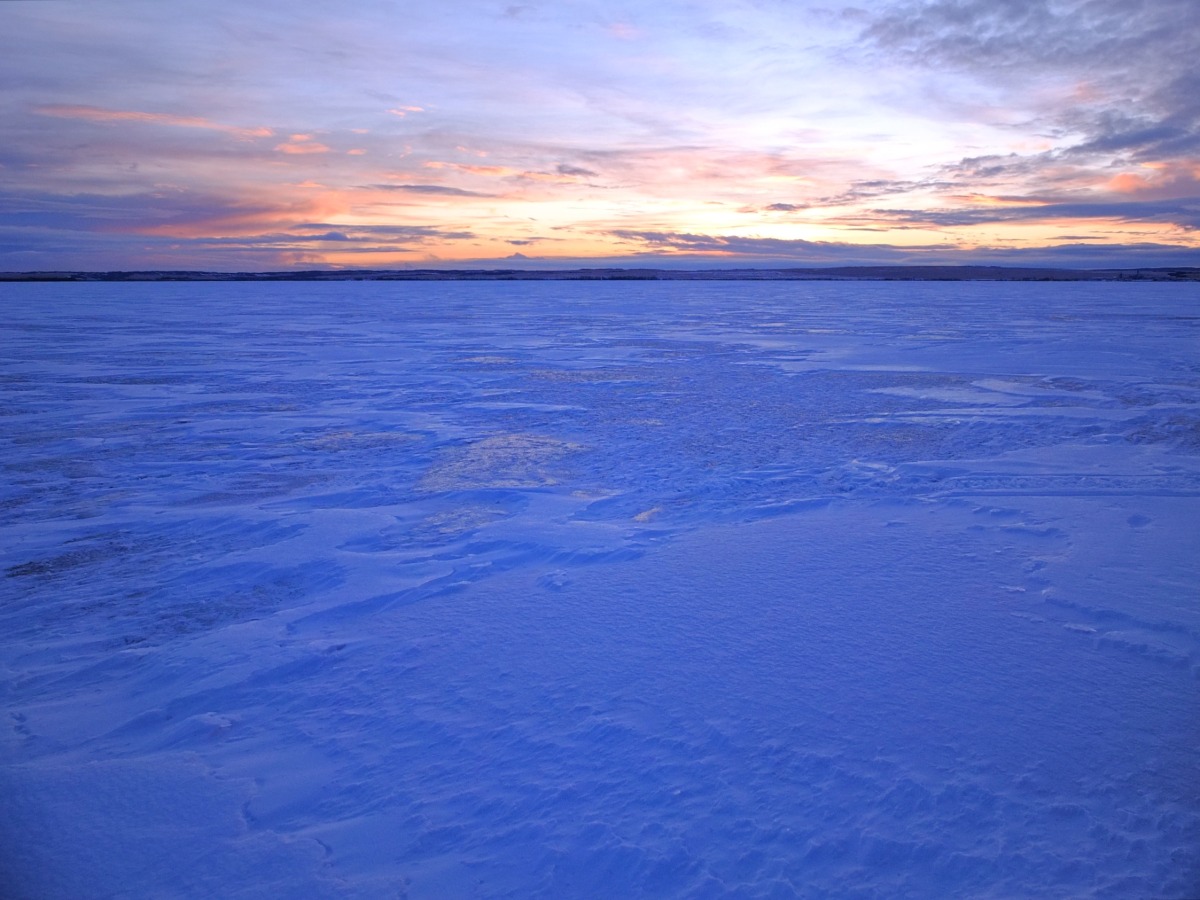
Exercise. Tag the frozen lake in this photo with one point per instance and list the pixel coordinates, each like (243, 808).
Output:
(600, 589)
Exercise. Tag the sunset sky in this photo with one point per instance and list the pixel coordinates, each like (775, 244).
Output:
(221, 135)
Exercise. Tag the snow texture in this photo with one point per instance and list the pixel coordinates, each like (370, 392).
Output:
(600, 590)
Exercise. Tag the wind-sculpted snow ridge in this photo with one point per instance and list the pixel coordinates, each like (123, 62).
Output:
(566, 589)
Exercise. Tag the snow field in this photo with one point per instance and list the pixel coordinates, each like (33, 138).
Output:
(600, 589)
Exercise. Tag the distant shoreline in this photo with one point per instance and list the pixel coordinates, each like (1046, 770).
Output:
(839, 273)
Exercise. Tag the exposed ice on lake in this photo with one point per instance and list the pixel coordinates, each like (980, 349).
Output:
(585, 589)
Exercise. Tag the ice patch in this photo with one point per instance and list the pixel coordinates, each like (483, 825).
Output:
(500, 461)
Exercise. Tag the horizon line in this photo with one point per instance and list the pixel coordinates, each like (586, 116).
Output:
(478, 271)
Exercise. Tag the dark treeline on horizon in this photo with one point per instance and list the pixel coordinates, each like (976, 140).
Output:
(840, 273)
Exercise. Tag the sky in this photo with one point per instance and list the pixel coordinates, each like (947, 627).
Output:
(232, 136)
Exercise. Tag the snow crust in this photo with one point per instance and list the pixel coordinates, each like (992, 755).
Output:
(600, 590)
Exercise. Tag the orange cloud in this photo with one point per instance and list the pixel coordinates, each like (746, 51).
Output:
(1159, 179)
(97, 114)
(403, 111)
(491, 171)
(1128, 183)
(302, 143)
(250, 216)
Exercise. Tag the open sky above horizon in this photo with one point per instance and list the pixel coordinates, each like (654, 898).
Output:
(232, 136)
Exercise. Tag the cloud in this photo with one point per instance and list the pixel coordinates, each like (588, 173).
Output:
(97, 114)
(697, 248)
(509, 172)
(746, 247)
(275, 239)
(870, 189)
(487, 171)
(1183, 214)
(1159, 181)
(1037, 35)
(1041, 116)
(1130, 66)
(399, 233)
(302, 144)
(176, 212)
(441, 189)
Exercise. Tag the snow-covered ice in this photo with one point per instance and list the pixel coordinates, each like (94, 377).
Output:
(600, 589)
